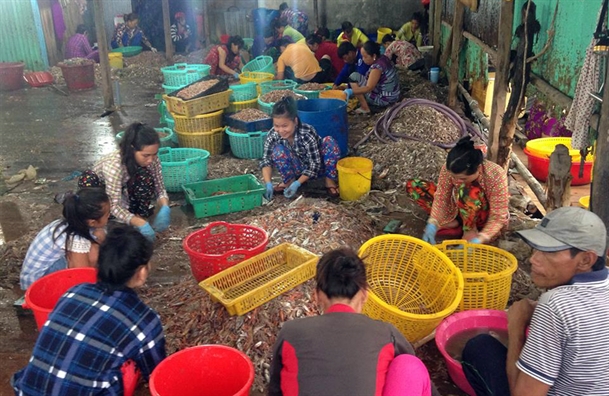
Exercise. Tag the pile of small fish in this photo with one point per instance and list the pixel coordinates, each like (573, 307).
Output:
(75, 62)
(249, 115)
(397, 162)
(312, 87)
(426, 124)
(197, 88)
(277, 95)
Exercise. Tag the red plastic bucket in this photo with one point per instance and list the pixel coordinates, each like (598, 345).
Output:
(204, 370)
(539, 169)
(79, 76)
(43, 294)
(221, 245)
(462, 321)
(11, 75)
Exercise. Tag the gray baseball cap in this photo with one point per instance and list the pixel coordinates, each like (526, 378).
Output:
(568, 227)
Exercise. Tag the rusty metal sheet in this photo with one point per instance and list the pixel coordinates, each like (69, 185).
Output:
(482, 24)
(21, 32)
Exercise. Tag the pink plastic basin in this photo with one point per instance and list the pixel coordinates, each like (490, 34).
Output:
(462, 321)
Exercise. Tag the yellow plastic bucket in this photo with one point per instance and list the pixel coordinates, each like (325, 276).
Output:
(333, 94)
(584, 202)
(116, 60)
(382, 31)
(354, 177)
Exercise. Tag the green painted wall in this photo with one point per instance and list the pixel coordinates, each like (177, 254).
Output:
(560, 65)
(21, 32)
(575, 24)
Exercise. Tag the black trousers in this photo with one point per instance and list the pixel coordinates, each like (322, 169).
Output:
(483, 362)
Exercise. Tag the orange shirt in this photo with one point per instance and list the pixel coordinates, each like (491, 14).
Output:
(493, 180)
(300, 58)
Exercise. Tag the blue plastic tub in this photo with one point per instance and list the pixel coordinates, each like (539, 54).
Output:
(328, 117)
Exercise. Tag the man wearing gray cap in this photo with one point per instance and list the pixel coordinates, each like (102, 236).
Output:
(558, 345)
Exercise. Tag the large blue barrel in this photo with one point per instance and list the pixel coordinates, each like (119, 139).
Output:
(328, 117)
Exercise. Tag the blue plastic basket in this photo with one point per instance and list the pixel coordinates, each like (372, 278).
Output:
(182, 166)
(243, 92)
(261, 63)
(248, 145)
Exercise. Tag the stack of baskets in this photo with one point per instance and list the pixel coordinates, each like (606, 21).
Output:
(244, 96)
(198, 121)
(181, 166)
(181, 74)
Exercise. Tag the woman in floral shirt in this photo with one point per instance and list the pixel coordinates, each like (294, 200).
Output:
(470, 199)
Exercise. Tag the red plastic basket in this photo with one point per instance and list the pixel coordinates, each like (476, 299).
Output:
(221, 245)
(539, 168)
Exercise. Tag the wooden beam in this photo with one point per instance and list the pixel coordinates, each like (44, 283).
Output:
(206, 22)
(553, 94)
(600, 185)
(485, 47)
(167, 27)
(104, 62)
(502, 69)
(437, 29)
(456, 51)
(316, 13)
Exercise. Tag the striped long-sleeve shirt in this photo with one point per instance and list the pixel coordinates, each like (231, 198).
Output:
(493, 180)
(89, 335)
(177, 35)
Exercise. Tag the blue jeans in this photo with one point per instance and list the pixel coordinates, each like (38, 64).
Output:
(61, 263)
(483, 362)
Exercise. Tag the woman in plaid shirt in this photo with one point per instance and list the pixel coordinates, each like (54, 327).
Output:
(298, 153)
(133, 180)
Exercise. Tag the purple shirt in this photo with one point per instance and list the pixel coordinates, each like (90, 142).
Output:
(78, 47)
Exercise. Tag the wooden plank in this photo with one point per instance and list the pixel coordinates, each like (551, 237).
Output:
(553, 94)
(485, 47)
(169, 50)
(437, 30)
(502, 65)
(600, 187)
(456, 51)
(104, 62)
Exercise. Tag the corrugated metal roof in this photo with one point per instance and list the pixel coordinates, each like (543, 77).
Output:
(21, 32)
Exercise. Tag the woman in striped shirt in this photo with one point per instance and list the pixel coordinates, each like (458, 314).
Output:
(133, 180)
(470, 199)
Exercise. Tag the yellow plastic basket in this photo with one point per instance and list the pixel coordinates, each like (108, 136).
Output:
(544, 147)
(234, 107)
(200, 123)
(413, 285)
(255, 77)
(212, 141)
(261, 278)
(202, 105)
(487, 273)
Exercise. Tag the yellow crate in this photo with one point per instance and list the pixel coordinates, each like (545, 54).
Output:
(212, 141)
(261, 278)
(234, 107)
(412, 284)
(255, 77)
(200, 123)
(202, 105)
(487, 273)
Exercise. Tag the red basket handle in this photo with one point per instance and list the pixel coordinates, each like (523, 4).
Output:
(218, 227)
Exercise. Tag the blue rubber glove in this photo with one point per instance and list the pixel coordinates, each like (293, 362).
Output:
(349, 93)
(429, 235)
(475, 240)
(236, 76)
(268, 194)
(147, 231)
(162, 220)
(291, 191)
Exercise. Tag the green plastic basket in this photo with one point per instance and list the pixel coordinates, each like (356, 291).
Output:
(266, 107)
(247, 43)
(222, 196)
(261, 63)
(182, 74)
(182, 166)
(243, 92)
(310, 94)
(277, 85)
(248, 145)
(171, 88)
(128, 51)
(165, 142)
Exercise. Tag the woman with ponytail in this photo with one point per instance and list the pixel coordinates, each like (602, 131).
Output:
(343, 352)
(470, 199)
(70, 242)
(99, 333)
(133, 180)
